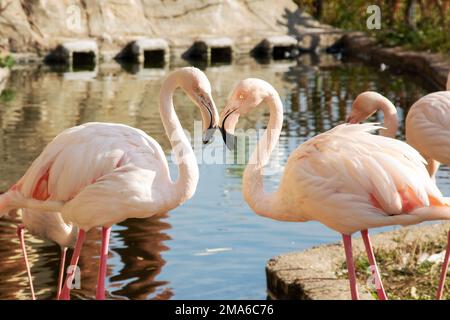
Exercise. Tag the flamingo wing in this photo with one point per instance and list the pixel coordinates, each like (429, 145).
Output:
(80, 155)
(95, 167)
(428, 126)
(350, 179)
(130, 191)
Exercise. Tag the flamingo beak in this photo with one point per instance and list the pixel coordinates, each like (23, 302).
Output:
(209, 134)
(207, 103)
(228, 120)
(229, 139)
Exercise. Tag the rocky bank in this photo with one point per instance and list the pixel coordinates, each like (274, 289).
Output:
(38, 26)
(312, 274)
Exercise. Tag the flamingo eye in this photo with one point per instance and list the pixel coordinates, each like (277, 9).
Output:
(241, 96)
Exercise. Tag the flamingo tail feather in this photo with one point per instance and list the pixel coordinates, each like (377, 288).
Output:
(433, 213)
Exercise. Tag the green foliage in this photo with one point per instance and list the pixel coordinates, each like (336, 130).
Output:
(362, 264)
(7, 95)
(7, 62)
(419, 24)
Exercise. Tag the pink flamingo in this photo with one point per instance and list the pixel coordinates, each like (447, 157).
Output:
(427, 130)
(345, 178)
(99, 174)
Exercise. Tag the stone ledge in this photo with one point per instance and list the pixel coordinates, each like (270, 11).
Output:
(277, 47)
(431, 65)
(207, 47)
(38, 27)
(311, 274)
(65, 52)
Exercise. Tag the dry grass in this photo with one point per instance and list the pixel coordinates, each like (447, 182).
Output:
(403, 273)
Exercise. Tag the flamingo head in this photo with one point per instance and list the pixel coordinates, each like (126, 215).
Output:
(196, 85)
(365, 105)
(244, 98)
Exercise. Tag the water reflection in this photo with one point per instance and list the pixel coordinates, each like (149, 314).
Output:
(140, 252)
(162, 258)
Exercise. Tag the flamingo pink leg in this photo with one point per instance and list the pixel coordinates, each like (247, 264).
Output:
(20, 234)
(103, 264)
(350, 266)
(65, 293)
(373, 266)
(61, 271)
(444, 271)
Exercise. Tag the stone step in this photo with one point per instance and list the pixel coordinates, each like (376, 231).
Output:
(75, 52)
(150, 50)
(211, 49)
(277, 47)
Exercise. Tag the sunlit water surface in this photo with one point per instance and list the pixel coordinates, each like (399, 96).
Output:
(213, 246)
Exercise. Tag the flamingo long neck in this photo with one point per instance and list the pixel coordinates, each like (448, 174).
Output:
(264, 203)
(390, 117)
(188, 175)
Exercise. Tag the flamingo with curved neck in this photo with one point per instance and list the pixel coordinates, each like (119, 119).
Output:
(99, 174)
(368, 103)
(346, 178)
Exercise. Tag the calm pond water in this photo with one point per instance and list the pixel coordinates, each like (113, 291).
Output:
(214, 246)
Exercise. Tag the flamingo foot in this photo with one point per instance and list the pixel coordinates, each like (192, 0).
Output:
(103, 264)
(350, 266)
(65, 293)
(20, 234)
(444, 270)
(61, 271)
(373, 266)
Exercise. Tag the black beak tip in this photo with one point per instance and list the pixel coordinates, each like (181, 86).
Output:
(205, 142)
(229, 139)
(208, 136)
